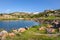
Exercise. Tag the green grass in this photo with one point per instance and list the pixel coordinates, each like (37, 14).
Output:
(50, 18)
(33, 37)
(33, 34)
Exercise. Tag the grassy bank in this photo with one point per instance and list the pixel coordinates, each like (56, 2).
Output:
(34, 34)
(33, 37)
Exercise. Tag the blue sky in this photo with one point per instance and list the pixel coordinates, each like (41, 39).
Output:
(8, 6)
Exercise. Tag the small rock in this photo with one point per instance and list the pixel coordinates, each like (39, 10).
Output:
(11, 34)
(21, 29)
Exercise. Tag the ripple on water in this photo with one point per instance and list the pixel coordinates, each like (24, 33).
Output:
(15, 24)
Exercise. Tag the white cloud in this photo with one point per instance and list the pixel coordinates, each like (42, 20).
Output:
(35, 12)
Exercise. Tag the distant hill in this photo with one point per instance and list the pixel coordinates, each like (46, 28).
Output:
(45, 13)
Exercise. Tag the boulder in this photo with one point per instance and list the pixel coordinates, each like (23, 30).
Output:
(4, 33)
(15, 31)
(21, 29)
(11, 34)
(1, 34)
(42, 28)
(49, 26)
(50, 30)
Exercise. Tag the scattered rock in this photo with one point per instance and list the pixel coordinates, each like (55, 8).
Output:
(21, 29)
(42, 28)
(49, 26)
(4, 33)
(15, 31)
(11, 34)
(50, 30)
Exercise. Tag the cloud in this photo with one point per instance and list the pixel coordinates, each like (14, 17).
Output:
(35, 12)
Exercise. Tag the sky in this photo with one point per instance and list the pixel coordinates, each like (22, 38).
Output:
(8, 6)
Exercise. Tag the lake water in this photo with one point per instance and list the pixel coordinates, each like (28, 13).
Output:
(15, 24)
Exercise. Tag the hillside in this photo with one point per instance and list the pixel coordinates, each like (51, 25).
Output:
(45, 14)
